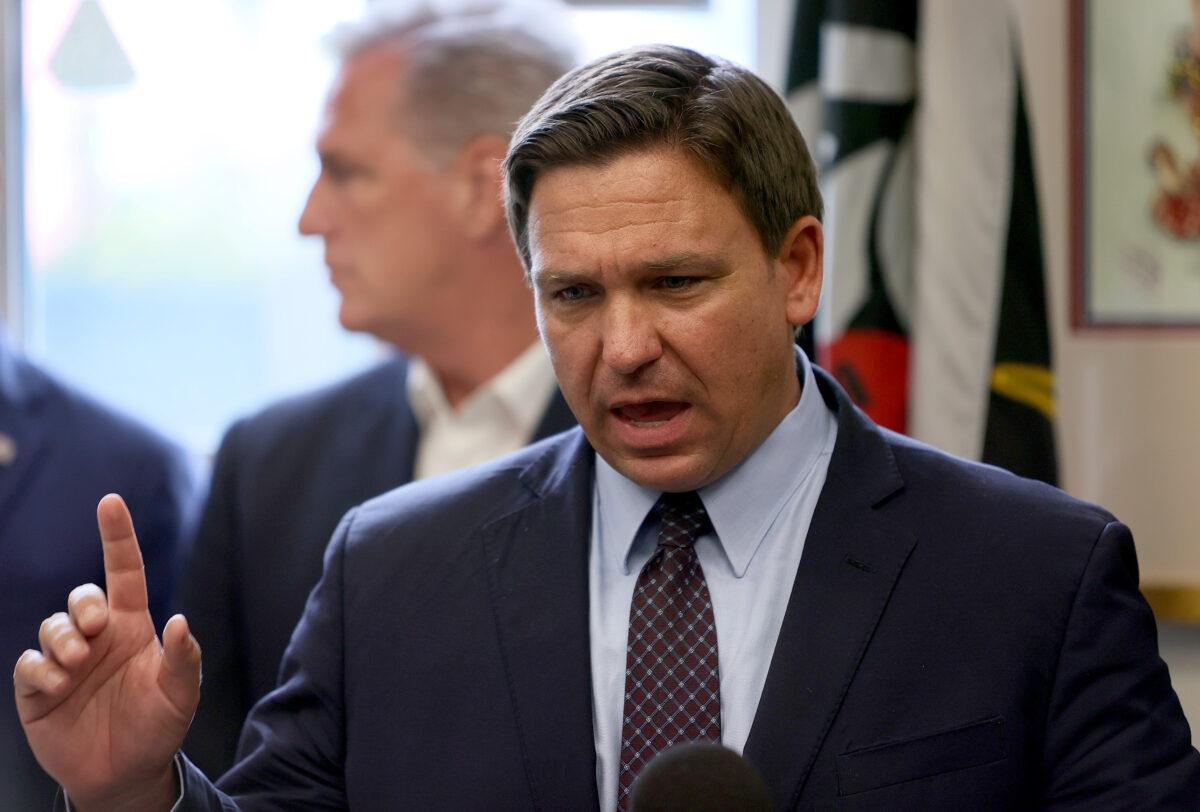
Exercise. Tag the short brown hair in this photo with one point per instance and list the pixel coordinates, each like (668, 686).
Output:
(724, 116)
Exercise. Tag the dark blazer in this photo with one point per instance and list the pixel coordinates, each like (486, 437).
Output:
(281, 481)
(957, 638)
(63, 451)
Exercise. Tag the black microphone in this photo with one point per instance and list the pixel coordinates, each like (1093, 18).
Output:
(699, 776)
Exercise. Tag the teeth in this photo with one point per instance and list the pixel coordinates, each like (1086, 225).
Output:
(648, 424)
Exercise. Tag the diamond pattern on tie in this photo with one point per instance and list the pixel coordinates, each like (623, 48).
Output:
(672, 675)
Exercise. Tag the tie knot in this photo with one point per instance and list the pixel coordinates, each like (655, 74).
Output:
(683, 517)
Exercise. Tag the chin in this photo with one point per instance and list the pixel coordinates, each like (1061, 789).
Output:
(673, 474)
(352, 321)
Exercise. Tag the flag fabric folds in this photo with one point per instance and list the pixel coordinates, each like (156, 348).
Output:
(851, 85)
(934, 314)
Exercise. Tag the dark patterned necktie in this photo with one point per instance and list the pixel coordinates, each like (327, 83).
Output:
(672, 676)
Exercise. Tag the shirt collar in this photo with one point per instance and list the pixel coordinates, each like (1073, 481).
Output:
(520, 391)
(745, 502)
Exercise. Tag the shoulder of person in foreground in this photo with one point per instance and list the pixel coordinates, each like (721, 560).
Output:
(1055, 580)
(430, 510)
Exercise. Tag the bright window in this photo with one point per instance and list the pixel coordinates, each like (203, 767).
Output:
(168, 152)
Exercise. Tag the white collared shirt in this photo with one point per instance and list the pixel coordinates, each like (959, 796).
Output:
(495, 419)
(760, 511)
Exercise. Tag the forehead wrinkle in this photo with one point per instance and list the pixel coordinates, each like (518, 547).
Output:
(648, 211)
(687, 260)
(610, 229)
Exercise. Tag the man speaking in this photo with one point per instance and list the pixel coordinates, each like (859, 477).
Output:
(727, 550)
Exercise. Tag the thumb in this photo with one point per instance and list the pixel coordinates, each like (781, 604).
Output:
(179, 677)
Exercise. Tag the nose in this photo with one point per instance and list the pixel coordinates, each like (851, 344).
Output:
(631, 339)
(314, 217)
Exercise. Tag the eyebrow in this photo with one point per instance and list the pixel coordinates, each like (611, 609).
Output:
(545, 278)
(686, 261)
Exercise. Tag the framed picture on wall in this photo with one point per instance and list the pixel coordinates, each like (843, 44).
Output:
(1135, 185)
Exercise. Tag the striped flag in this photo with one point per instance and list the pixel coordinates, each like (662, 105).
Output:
(982, 385)
(934, 316)
(851, 84)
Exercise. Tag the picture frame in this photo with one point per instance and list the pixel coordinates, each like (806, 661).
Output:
(1135, 164)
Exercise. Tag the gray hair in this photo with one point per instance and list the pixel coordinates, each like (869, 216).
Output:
(471, 67)
(722, 115)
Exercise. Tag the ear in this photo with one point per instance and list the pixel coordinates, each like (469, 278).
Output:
(801, 258)
(477, 196)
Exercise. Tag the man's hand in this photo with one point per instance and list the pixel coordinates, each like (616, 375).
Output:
(105, 707)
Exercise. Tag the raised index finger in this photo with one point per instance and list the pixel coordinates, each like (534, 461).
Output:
(125, 579)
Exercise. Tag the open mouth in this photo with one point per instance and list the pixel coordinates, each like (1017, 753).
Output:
(649, 414)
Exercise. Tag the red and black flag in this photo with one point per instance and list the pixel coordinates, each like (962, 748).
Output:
(934, 312)
(851, 85)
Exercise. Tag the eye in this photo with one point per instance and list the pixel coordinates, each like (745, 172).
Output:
(677, 282)
(339, 173)
(572, 293)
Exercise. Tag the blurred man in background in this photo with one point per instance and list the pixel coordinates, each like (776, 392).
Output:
(60, 451)
(408, 205)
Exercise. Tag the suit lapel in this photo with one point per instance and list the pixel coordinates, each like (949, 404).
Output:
(388, 431)
(401, 424)
(537, 560)
(851, 560)
(28, 442)
(24, 430)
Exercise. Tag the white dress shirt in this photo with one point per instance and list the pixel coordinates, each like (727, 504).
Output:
(760, 511)
(496, 419)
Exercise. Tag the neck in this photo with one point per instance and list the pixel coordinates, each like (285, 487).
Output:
(490, 322)
(460, 374)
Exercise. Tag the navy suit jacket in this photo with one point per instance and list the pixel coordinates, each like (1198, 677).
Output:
(69, 452)
(281, 481)
(957, 638)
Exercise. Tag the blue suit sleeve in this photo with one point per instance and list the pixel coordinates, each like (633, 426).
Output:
(1116, 735)
(292, 747)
